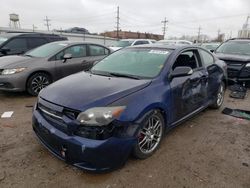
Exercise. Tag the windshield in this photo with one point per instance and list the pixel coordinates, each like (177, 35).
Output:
(143, 63)
(210, 46)
(3, 39)
(46, 50)
(123, 43)
(235, 47)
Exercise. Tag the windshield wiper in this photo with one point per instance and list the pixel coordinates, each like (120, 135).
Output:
(28, 55)
(101, 73)
(125, 75)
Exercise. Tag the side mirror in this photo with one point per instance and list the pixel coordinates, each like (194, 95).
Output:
(5, 50)
(181, 71)
(66, 57)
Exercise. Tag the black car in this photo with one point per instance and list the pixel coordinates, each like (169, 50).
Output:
(19, 43)
(236, 54)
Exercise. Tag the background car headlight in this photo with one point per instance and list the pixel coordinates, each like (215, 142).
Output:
(12, 71)
(100, 116)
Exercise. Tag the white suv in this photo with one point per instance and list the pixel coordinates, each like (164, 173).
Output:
(131, 42)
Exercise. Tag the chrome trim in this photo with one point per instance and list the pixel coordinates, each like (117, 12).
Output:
(50, 114)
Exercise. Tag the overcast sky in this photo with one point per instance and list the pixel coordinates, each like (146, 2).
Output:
(184, 16)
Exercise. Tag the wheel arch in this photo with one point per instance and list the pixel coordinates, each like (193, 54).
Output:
(38, 71)
(151, 109)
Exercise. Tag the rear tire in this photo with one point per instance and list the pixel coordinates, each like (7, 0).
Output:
(219, 97)
(37, 82)
(149, 136)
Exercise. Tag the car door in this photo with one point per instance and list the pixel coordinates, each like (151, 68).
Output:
(65, 67)
(189, 93)
(16, 46)
(214, 72)
(96, 53)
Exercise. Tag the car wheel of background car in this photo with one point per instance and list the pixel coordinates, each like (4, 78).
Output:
(37, 82)
(149, 136)
(220, 97)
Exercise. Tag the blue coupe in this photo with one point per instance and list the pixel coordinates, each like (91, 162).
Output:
(126, 103)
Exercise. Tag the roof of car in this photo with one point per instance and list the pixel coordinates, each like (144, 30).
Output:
(134, 39)
(13, 34)
(74, 42)
(239, 39)
(158, 45)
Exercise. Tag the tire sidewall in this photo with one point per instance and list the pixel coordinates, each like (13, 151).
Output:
(215, 104)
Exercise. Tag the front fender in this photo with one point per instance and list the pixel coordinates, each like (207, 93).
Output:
(140, 103)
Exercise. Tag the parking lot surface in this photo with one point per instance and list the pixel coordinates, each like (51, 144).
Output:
(210, 150)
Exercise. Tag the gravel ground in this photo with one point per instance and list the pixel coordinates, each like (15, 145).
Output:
(211, 150)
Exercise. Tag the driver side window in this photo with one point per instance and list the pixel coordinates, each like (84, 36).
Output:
(187, 59)
(76, 52)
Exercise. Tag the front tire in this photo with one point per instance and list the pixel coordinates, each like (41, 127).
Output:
(149, 136)
(37, 82)
(219, 97)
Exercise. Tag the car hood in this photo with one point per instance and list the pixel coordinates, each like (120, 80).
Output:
(233, 57)
(14, 61)
(115, 48)
(83, 90)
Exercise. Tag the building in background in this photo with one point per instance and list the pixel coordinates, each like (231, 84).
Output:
(245, 31)
(132, 35)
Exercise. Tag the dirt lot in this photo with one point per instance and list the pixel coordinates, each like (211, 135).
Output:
(211, 150)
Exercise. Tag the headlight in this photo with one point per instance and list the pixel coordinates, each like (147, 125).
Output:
(100, 116)
(248, 65)
(12, 71)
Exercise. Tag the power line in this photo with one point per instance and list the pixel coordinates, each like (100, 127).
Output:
(47, 22)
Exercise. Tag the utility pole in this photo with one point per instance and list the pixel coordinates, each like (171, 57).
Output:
(199, 34)
(47, 22)
(164, 26)
(218, 38)
(34, 27)
(117, 22)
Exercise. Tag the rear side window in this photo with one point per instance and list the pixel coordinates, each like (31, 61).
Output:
(141, 42)
(76, 51)
(188, 59)
(95, 50)
(57, 39)
(35, 42)
(17, 44)
(207, 58)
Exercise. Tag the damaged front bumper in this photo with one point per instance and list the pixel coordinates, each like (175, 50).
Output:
(88, 154)
(238, 71)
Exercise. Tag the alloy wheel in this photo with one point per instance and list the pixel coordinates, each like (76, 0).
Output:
(150, 135)
(220, 95)
(38, 83)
